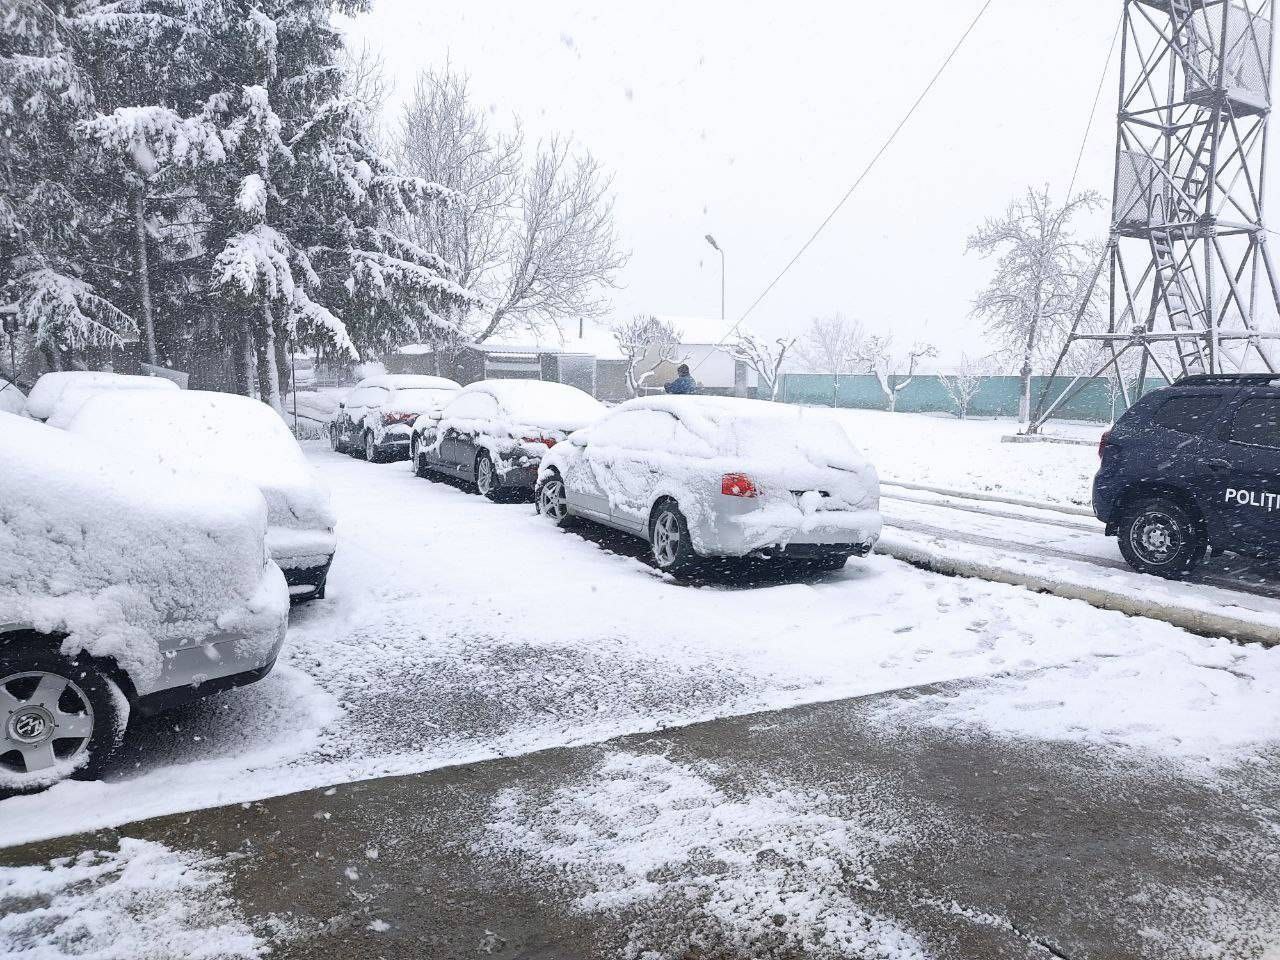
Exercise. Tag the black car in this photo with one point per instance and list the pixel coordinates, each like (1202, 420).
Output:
(492, 435)
(1191, 468)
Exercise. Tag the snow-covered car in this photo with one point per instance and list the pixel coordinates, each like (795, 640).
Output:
(12, 400)
(494, 433)
(236, 437)
(124, 590)
(718, 477)
(376, 419)
(75, 386)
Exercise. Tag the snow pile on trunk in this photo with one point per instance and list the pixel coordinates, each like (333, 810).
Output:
(52, 387)
(227, 436)
(142, 901)
(766, 874)
(126, 559)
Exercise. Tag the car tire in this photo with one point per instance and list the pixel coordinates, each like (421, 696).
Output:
(670, 544)
(551, 501)
(487, 484)
(420, 468)
(370, 451)
(1161, 537)
(44, 692)
(335, 439)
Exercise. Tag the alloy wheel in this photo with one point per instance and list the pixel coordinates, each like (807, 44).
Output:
(484, 476)
(666, 539)
(44, 719)
(551, 500)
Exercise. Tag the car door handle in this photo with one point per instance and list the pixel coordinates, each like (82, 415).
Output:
(1217, 466)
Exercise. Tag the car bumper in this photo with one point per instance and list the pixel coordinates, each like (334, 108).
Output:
(248, 642)
(521, 476)
(304, 556)
(745, 528)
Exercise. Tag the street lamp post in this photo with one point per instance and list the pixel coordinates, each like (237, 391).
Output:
(716, 247)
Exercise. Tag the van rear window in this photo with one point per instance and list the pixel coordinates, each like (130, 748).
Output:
(1187, 414)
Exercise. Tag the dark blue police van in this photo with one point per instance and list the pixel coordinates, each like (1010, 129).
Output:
(1192, 468)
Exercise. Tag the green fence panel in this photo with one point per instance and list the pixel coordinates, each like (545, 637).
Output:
(995, 397)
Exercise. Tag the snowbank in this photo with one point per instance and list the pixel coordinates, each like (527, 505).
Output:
(51, 387)
(229, 436)
(127, 560)
(142, 901)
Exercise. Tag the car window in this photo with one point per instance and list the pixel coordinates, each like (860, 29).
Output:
(471, 406)
(1257, 423)
(1187, 414)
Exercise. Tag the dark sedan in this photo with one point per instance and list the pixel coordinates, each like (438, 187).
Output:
(493, 433)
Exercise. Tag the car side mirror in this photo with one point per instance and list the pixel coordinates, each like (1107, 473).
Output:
(342, 405)
(435, 415)
(578, 439)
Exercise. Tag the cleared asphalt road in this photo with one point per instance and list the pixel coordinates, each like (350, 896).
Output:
(814, 831)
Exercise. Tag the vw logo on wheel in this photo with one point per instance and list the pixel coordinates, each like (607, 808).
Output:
(28, 727)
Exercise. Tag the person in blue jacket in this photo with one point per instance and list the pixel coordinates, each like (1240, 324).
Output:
(684, 383)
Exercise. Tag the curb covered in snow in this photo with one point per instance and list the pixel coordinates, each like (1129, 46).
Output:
(1063, 581)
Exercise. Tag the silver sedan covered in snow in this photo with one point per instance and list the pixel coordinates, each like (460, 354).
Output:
(718, 477)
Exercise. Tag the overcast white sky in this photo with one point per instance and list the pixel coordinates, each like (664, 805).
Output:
(748, 121)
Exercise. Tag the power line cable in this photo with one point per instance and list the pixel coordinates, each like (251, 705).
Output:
(1094, 109)
(857, 183)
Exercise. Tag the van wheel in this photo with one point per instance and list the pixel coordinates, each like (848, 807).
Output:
(59, 718)
(669, 541)
(1161, 537)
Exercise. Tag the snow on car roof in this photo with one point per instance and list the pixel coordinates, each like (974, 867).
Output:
(12, 400)
(734, 426)
(209, 432)
(50, 387)
(400, 381)
(542, 402)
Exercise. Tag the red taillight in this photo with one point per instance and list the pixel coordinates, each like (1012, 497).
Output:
(1102, 444)
(738, 485)
(392, 418)
(549, 441)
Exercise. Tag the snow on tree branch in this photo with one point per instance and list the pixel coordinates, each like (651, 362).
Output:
(764, 358)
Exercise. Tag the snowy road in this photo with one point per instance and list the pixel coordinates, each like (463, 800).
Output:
(458, 630)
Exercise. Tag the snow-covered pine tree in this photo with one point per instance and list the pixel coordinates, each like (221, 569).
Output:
(310, 248)
(51, 216)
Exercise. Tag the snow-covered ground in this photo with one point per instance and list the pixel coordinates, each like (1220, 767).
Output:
(457, 629)
(972, 455)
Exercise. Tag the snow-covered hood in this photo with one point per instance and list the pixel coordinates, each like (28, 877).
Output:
(124, 558)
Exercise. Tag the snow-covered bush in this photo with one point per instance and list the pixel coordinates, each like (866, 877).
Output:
(127, 560)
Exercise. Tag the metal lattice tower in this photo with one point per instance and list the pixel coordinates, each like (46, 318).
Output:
(1190, 276)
